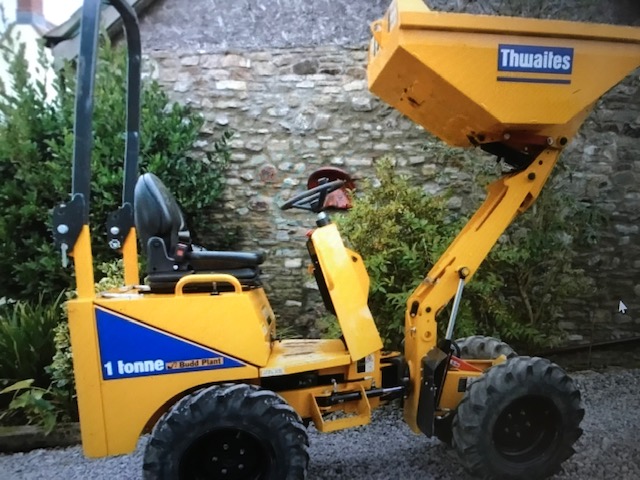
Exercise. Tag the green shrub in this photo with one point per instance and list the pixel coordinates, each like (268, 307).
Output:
(36, 148)
(31, 405)
(61, 367)
(532, 271)
(517, 294)
(26, 339)
(27, 346)
(400, 232)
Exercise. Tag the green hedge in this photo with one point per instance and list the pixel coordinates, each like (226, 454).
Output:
(36, 148)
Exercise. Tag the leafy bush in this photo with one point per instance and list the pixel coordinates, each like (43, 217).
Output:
(30, 405)
(531, 275)
(27, 346)
(26, 341)
(36, 148)
(517, 294)
(400, 232)
(61, 371)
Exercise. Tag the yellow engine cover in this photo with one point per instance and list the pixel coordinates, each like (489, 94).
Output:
(348, 285)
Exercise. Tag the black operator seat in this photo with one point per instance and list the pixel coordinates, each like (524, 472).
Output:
(167, 243)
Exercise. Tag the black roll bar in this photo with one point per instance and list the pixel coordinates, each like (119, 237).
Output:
(134, 61)
(121, 221)
(83, 128)
(69, 218)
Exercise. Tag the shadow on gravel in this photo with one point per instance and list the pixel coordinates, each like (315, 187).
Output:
(382, 450)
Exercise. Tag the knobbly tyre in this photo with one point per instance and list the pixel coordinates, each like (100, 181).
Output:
(192, 356)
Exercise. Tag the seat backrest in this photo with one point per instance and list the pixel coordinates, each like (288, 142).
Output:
(156, 212)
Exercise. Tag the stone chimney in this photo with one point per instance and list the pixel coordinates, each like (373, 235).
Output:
(30, 12)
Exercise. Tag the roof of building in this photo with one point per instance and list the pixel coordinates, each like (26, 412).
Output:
(64, 41)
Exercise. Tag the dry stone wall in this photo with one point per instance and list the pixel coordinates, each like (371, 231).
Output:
(289, 79)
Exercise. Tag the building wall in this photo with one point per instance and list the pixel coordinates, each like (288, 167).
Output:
(289, 79)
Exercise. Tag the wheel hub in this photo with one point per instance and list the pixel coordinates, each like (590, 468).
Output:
(526, 428)
(226, 454)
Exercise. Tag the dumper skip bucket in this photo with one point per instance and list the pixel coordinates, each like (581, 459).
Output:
(472, 78)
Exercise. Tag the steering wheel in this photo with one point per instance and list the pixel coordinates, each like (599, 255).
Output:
(312, 199)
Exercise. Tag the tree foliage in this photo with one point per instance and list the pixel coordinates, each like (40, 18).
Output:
(36, 148)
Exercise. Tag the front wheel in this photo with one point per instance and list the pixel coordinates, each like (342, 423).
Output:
(234, 431)
(518, 421)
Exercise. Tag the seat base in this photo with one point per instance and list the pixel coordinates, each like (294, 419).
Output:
(165, 282)
(210, 260)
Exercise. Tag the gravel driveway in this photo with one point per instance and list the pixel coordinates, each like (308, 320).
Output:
(387, 449)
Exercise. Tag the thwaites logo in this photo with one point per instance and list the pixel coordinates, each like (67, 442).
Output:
(552, 64)
(131, 349)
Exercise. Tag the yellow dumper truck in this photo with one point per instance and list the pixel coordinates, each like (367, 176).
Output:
(192, 356)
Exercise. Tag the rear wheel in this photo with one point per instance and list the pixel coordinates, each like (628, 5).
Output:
(483, 348)
(238, 432)
(518, 421)
(474, 347)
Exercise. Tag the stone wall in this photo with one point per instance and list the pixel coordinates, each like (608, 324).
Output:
(293, 111)
(289, 79)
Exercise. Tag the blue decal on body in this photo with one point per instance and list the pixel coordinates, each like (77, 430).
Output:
(130, 349)
(535, 59)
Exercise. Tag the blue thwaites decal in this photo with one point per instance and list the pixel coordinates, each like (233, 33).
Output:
(555, 63)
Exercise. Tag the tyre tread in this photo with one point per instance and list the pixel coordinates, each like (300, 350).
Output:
(207, 404)
(472, 438)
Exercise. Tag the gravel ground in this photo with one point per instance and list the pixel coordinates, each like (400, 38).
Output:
(385, 449)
